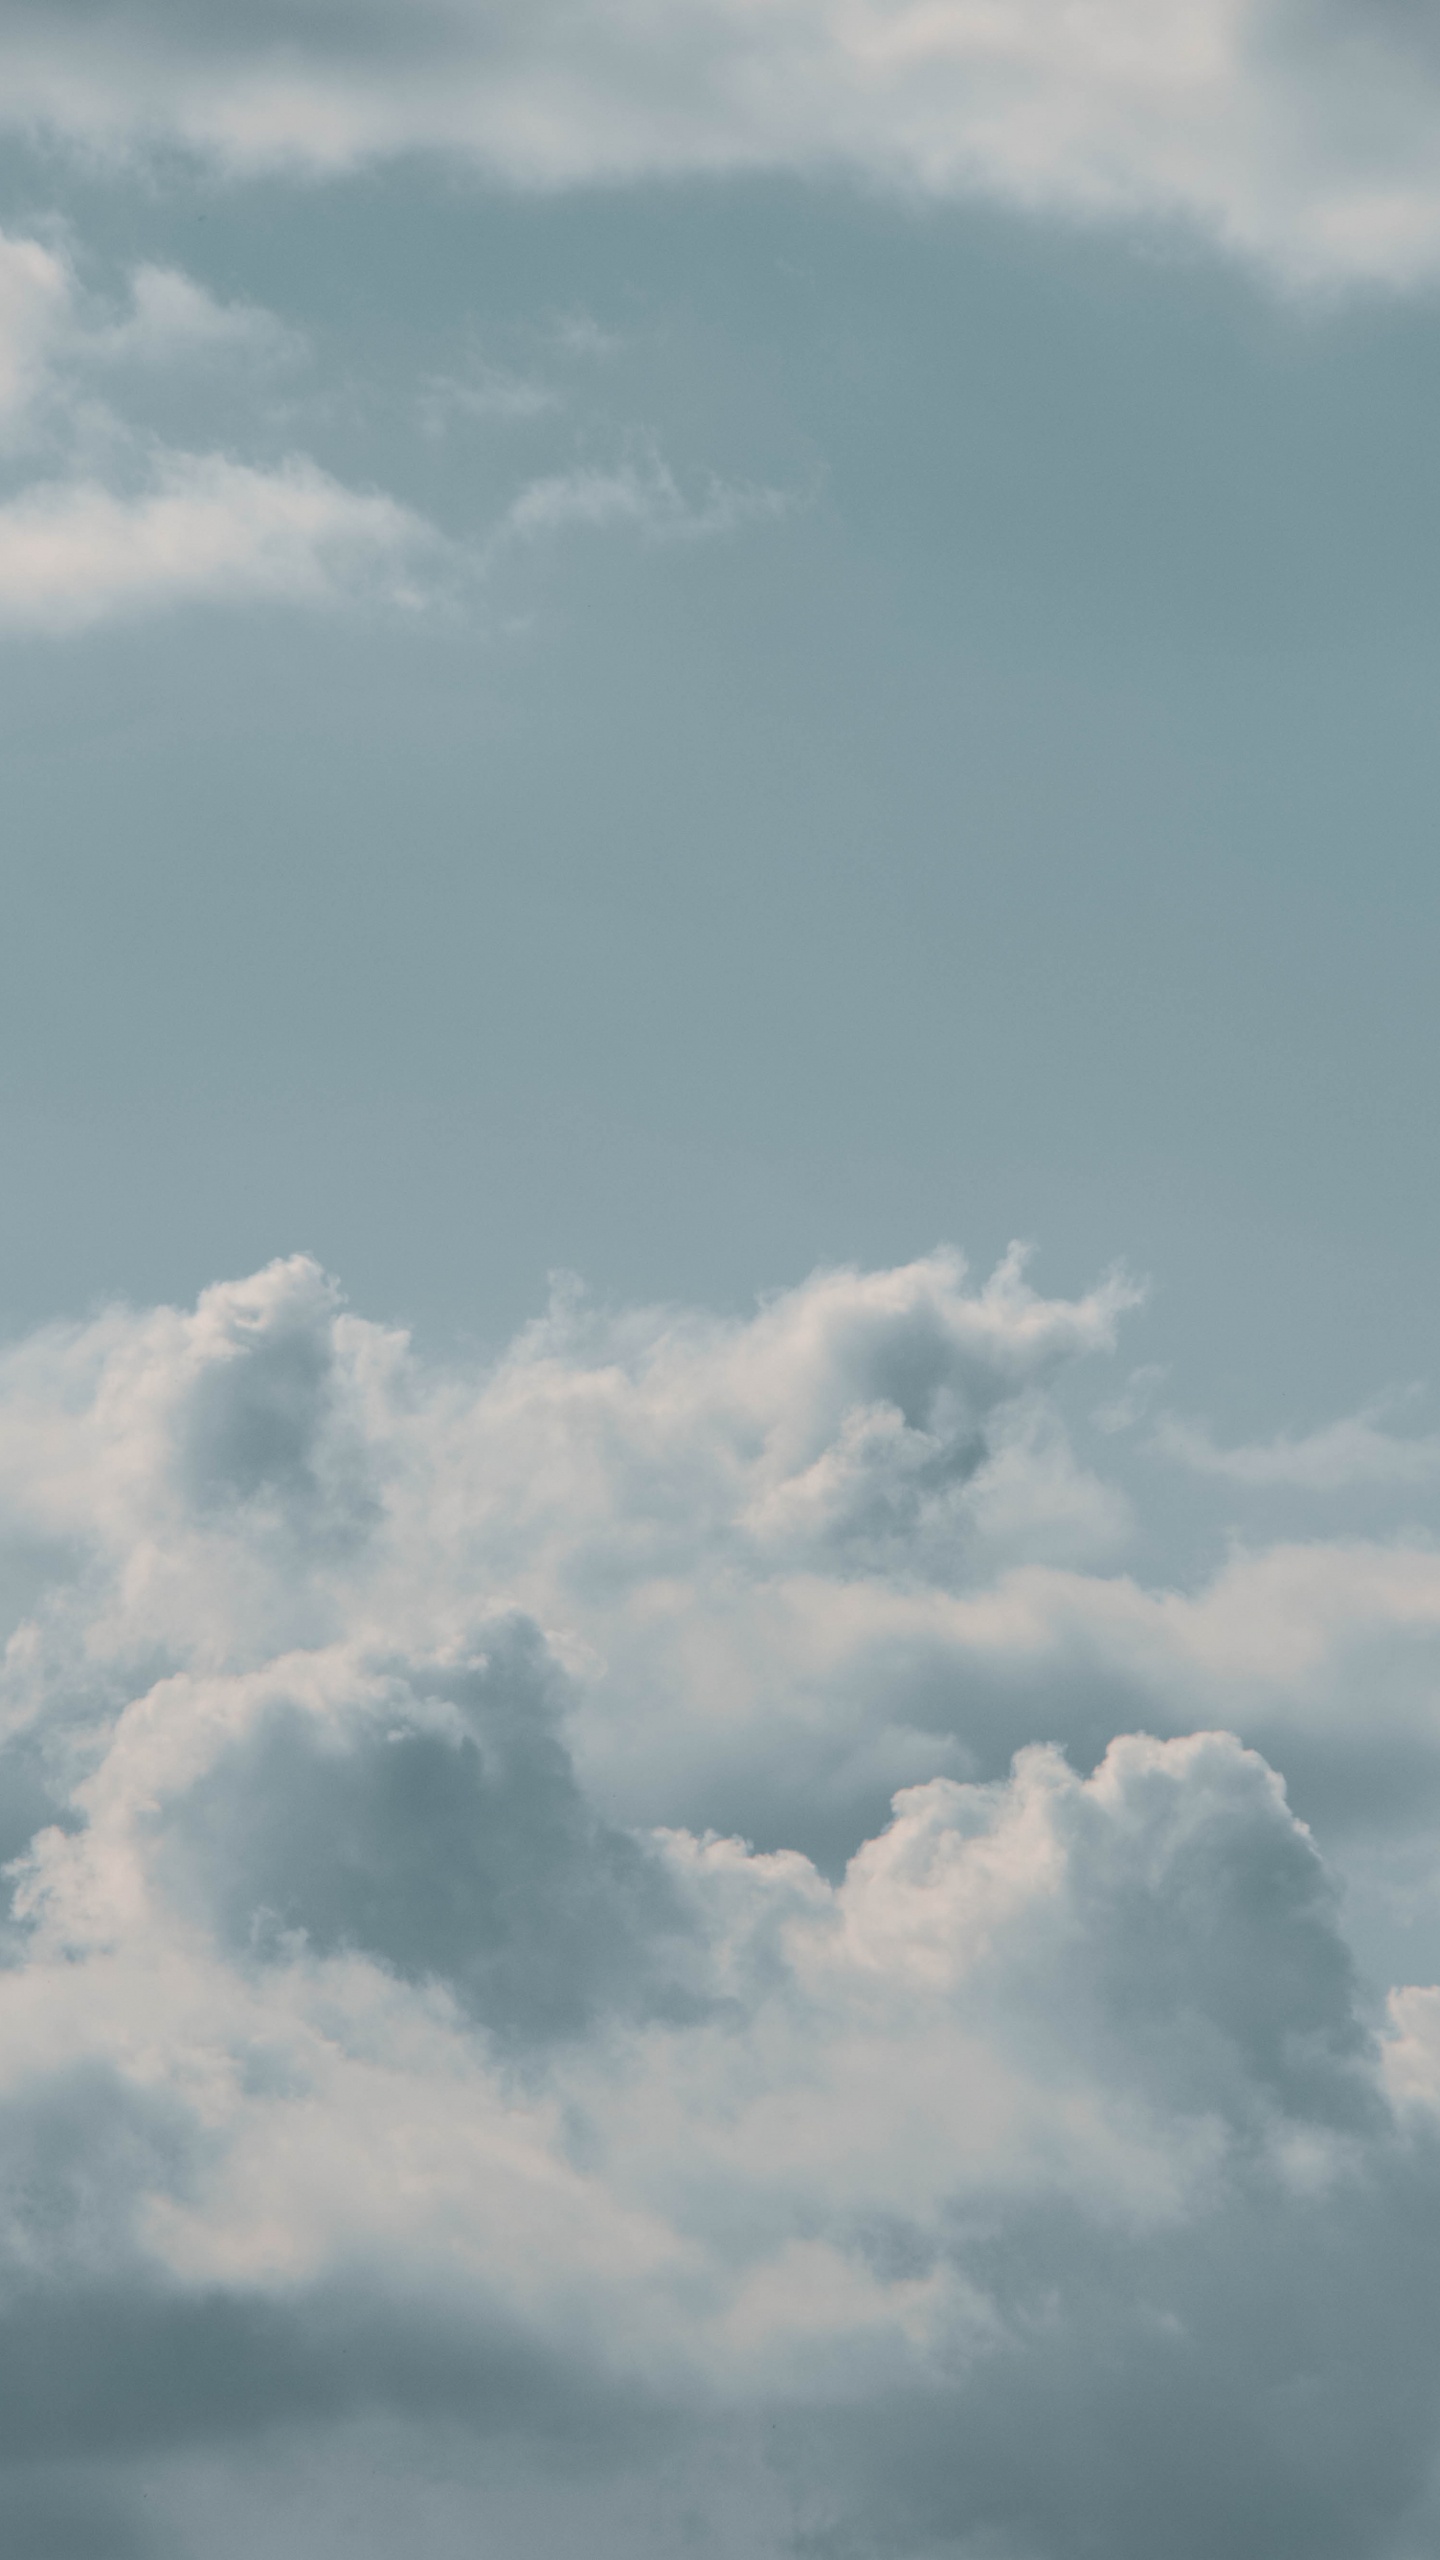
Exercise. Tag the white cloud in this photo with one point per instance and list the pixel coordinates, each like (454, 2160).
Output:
(54, 335)
(171, 317)
(74, 553)
(1339, 1456)
(111, 522)
(490, 394)
(641, 493)
(394, 2036)
(1301, 138)
(1124, 1411)
(35, 295)
(850, 1533)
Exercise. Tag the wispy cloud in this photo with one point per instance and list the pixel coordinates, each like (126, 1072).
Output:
(106, 519)
(36, 312)
(57, 336)
(171, 317)
(1353, 1452)
(641, 492)
(489, 395)
(1123, 1412)
(579, 335)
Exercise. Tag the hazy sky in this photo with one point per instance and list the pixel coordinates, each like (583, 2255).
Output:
(667, 669)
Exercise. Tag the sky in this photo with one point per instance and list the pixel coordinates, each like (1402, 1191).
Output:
(719, 1752)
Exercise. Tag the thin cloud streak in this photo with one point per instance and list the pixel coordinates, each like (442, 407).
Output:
(1337, 1458)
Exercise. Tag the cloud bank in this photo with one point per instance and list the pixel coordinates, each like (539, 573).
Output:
(655, 1945)
(1299, 133)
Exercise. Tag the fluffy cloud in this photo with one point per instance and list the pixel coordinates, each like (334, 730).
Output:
(1301, 136)
(483, 2059)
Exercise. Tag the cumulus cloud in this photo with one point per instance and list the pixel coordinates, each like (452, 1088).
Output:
(593, 1945)
(1300, 136)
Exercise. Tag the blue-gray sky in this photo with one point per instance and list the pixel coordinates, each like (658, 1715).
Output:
(1020, 825)
(739, 655)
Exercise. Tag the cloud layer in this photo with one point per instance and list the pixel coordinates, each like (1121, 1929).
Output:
(1299, 135)
(476, 2026)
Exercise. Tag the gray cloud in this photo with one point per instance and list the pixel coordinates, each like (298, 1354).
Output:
(440, 1829)
(1298, 136)
(408, 2075)
(1233, 2387)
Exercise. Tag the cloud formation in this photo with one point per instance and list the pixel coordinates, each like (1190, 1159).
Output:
(639, 493)
(1354, 1451)
(475, 2024)
(1299, 136)
(106, 520)
(203, 528)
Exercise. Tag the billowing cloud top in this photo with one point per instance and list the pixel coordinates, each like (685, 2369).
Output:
(1301, 135)
(654, 1948)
